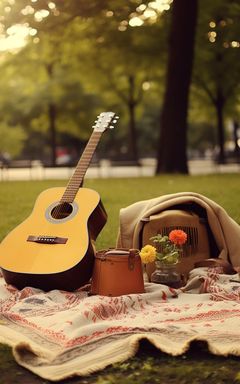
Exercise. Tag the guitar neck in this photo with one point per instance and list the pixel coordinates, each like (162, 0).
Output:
(77, 178)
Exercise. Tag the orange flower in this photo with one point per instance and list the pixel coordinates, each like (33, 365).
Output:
(178, 237)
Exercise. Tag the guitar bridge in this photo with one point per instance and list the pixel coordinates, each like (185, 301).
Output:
(47, 239)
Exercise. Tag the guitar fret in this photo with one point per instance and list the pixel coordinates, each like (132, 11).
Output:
(103, 122)
(77, 178)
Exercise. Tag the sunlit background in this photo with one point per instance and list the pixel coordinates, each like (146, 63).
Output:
(16, 36)
(135, 36)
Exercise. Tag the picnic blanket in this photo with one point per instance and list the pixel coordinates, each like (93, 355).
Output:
(60, 334)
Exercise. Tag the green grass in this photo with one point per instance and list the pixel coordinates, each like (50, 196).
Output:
(17, 198)
(149, 366)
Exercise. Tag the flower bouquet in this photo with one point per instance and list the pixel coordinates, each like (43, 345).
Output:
(166, 255)
(167, 250)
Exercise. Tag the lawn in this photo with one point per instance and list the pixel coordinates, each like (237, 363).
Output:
(149, 366)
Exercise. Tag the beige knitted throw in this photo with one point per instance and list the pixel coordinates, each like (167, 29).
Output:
(224, 229)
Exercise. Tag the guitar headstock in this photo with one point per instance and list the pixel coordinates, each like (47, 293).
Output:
(104, 121)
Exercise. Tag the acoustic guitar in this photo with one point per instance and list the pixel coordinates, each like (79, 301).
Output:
(54, 247)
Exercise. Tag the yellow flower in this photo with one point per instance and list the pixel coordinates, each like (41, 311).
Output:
(148, 254)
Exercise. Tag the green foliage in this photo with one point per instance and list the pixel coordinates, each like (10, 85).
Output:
(167, 252)
(81, 65)
(29, 95)
(217, 63)
(11, 139)
(217, 60)
(82, 58)
(201, 136)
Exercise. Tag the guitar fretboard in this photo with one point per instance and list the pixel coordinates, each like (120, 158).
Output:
(77, 178)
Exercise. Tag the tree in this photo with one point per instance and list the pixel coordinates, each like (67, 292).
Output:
(122, 57)
(55, 73)
(218, 61)
(120, 61)
(173, 130)
(44, 95)
(125, 65)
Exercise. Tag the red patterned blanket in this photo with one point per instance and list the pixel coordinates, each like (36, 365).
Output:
(59, 334)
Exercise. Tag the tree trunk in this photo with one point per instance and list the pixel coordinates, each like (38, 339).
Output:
(52, 130)
(235, 139)
(172, 157)
(52, 114)
(220, 125)
(132, 147)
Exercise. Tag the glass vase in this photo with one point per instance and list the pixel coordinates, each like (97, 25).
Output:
(166, 274)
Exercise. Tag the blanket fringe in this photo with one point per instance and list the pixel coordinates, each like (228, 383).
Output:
(27, 357)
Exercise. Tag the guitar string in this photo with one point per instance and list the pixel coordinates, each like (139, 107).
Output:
(76, 180)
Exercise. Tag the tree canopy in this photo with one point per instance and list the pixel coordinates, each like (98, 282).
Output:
(76, 59)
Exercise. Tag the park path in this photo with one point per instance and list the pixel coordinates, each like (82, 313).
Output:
(105, 170)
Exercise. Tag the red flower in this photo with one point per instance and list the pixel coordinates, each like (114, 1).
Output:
(178, 237)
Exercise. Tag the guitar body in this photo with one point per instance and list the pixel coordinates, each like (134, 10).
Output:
(54, 253)
(54, 247)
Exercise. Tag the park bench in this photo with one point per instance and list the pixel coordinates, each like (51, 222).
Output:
(20, 168)
(20, 164)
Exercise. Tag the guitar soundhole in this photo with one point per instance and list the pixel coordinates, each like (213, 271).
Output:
(61, 211)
